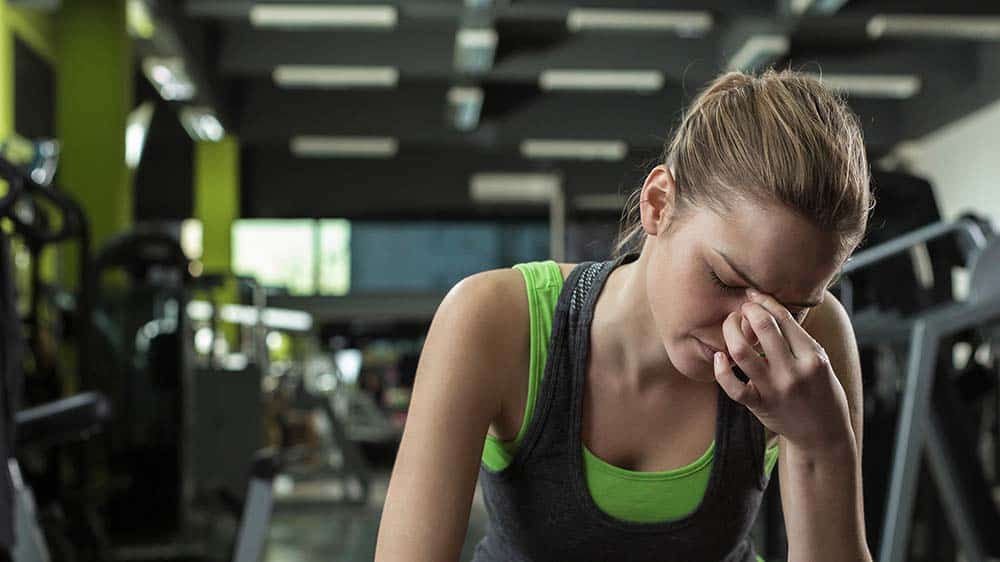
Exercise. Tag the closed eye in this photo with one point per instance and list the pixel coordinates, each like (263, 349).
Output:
(798, 314)
(718, 283)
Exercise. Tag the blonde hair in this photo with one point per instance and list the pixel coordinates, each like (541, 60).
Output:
(780, 137)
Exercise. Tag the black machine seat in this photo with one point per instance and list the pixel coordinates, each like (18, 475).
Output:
(62, 420)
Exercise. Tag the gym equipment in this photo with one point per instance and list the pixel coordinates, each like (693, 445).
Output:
(187, 433)
(29, 205)
(51, 424)
(323, 465)
(41, 216)
(146, 366)
(929, 410)
(190, 427)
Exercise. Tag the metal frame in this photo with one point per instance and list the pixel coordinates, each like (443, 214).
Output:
(919, 424)
(917, 430)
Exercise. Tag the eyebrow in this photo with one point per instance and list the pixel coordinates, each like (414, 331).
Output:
(746, 278)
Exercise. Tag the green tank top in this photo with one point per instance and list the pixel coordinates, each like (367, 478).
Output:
(644, 497)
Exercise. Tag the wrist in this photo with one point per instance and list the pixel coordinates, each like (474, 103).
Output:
(832, 449)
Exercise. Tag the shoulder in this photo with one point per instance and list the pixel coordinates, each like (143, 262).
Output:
(489, 313)
(488, 299)
(480, 334)
(830, 325)
(566, 269)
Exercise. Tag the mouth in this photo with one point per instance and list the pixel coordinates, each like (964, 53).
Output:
(712, 347)
(708, 350)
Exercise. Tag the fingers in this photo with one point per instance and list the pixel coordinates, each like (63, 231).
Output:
(769, 334)
(798, 340)
(746, 394)
(742, 353)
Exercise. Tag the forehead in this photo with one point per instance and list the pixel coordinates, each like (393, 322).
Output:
(776, 247)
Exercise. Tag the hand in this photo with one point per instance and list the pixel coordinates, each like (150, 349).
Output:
(792, 389)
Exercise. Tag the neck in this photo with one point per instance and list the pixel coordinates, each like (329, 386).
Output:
(624, 339)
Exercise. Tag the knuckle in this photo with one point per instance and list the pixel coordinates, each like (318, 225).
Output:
(740, 351)
(762, 324)
(816, 360)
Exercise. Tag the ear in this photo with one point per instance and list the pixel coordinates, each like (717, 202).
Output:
(656, 203)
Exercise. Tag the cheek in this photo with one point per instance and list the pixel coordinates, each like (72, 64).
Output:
(683, 301)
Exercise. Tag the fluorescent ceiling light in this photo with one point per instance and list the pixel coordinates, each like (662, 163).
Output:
(821, 7)
(574, 149)
(464, 107)
(982, 28)
(344, 147)
(683, 22)
(630, 80)
(475, 49)
(170, 78)
(292, 76)
(599, 202)
(135, 133)
(892, 86)
(201, 124)
(514, 187)
(759, 50)
(799, 7)
(313, 16)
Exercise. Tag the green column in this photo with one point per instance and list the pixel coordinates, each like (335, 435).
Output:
(93, 97)
(6, 73)
(34, 27)
(37, 30)
(217, 206)
(217, 199)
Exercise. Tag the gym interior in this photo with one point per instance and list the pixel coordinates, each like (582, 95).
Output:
(228, 224)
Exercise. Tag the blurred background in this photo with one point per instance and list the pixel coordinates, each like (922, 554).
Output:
(227, 225)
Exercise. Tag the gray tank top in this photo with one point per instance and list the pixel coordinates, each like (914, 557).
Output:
(539, 506)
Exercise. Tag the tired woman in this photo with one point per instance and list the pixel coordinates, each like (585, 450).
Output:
(634, 409)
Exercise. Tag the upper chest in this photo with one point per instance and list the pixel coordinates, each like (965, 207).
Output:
(655, 430)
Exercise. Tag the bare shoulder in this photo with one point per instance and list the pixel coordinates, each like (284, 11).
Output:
(566, 269)
(830, 325)
(492, 301)
(498, 301)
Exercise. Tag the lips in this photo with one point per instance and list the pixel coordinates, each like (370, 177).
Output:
(707, 350)
(712, 347)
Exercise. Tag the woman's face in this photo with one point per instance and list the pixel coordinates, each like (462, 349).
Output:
(697, 273)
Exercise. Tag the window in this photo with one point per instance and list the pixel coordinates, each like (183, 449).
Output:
(278, 253)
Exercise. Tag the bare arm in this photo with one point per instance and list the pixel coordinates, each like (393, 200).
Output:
(457, 393)
(821, 491)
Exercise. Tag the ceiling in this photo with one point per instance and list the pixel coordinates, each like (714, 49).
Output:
(942, 70)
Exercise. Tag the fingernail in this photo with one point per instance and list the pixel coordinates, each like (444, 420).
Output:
(752, 293)
(718, 358)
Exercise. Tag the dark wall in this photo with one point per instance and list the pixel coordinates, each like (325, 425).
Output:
(34, 93)
(164, 180)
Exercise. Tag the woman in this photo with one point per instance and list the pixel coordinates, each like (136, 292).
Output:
(616, 424)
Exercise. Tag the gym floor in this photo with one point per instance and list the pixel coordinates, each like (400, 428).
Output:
(347, 534)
